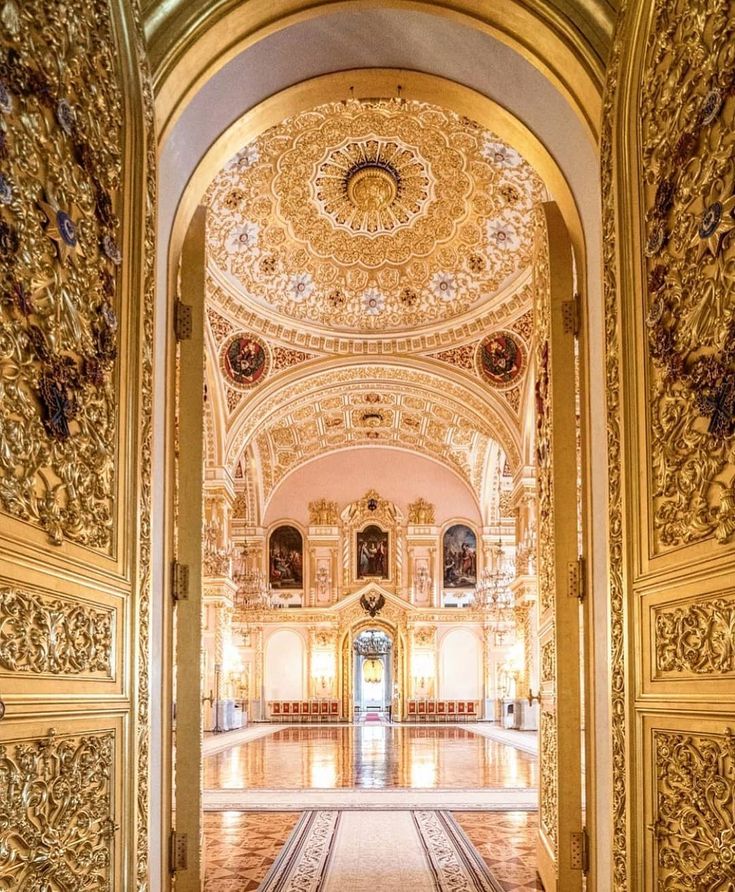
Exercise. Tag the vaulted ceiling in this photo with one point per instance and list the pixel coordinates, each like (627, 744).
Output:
(364, 229)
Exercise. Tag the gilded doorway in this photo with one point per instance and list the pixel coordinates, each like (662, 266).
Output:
(392, 662)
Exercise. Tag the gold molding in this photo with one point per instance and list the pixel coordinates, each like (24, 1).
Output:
(206, 40)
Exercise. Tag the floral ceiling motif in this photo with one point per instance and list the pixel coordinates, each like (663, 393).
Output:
(370, 217)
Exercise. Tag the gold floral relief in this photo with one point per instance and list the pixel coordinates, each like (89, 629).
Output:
(47, 635)
(548, 662)
(609, 137)
(60, 177)
(376, 215)
(696, 639)
(687, 108)
(694, 821)
(548, 785)
(56, 801)
(544, 479)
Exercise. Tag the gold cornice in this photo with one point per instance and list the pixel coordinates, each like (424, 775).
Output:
(568, 41)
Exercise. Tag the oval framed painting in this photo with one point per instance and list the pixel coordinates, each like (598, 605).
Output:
(501, 359)
(245, 360)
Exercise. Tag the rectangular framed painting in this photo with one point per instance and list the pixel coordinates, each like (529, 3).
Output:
(460, 557)
(373, 556)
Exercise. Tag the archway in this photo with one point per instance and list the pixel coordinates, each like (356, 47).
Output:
(372, 674)
(475, 102)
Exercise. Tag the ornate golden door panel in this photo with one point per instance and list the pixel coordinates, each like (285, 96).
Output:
(560, 859)
(77, 168)
(670, 183)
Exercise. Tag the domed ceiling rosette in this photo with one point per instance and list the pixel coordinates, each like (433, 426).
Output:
(365, 217)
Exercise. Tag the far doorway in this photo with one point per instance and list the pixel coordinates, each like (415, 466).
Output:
(372, 674)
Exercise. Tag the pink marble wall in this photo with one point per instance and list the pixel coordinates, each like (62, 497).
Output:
(399, 476)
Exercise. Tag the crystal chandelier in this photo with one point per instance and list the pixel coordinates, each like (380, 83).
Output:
(493, 594)
(372, 644)
(253, 592)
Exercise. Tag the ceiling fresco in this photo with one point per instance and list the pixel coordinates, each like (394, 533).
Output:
(371, 217)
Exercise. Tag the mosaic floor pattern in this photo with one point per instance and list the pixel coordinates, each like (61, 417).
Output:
(371, 756)
(507, 842)
(333, 851)
(240, 847)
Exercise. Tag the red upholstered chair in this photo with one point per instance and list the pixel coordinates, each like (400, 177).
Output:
(460, 707)
(441, 709)
(422, 709)
(451, 708)
(412, 710)
(324, 709)
(286, 710)
(295, 709)
(472, 709)
(431, 708)
(304, 710)
(314, 710)
(334, 710)
(276, 708)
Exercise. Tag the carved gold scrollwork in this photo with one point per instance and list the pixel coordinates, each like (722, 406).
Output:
(548, 789)
(62, 174)
(57, 825)
(421, 512)
(544, 481)
(39, 634)
(697, 639)
(687, 110)
(548, 662)
(694, 825)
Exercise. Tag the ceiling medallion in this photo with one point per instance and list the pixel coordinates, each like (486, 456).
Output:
(367, 217)
(372, 186)
(500, 359)
(245, 360)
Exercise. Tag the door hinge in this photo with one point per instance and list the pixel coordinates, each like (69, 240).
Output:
(575, 579)
(571, 311)
(178, 852)
(182, 321)
(579, 857)
(180, 581)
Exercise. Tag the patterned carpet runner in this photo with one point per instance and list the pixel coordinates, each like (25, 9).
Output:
(349, 851)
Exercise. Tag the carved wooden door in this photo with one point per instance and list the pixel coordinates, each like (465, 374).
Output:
(670, 185)
(76, 317)
(560, 843)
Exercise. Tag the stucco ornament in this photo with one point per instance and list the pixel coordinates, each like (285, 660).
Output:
(371, 215)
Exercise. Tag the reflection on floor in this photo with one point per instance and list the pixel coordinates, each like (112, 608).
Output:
(369, 756)
(242, 847)
(507, 843)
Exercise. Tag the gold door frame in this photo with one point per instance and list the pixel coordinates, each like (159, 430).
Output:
(398, 665)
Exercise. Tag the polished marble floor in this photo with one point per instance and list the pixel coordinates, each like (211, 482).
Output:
(371, 756)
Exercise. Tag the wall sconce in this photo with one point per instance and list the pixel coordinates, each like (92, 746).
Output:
(423, 669)
(322, 669)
